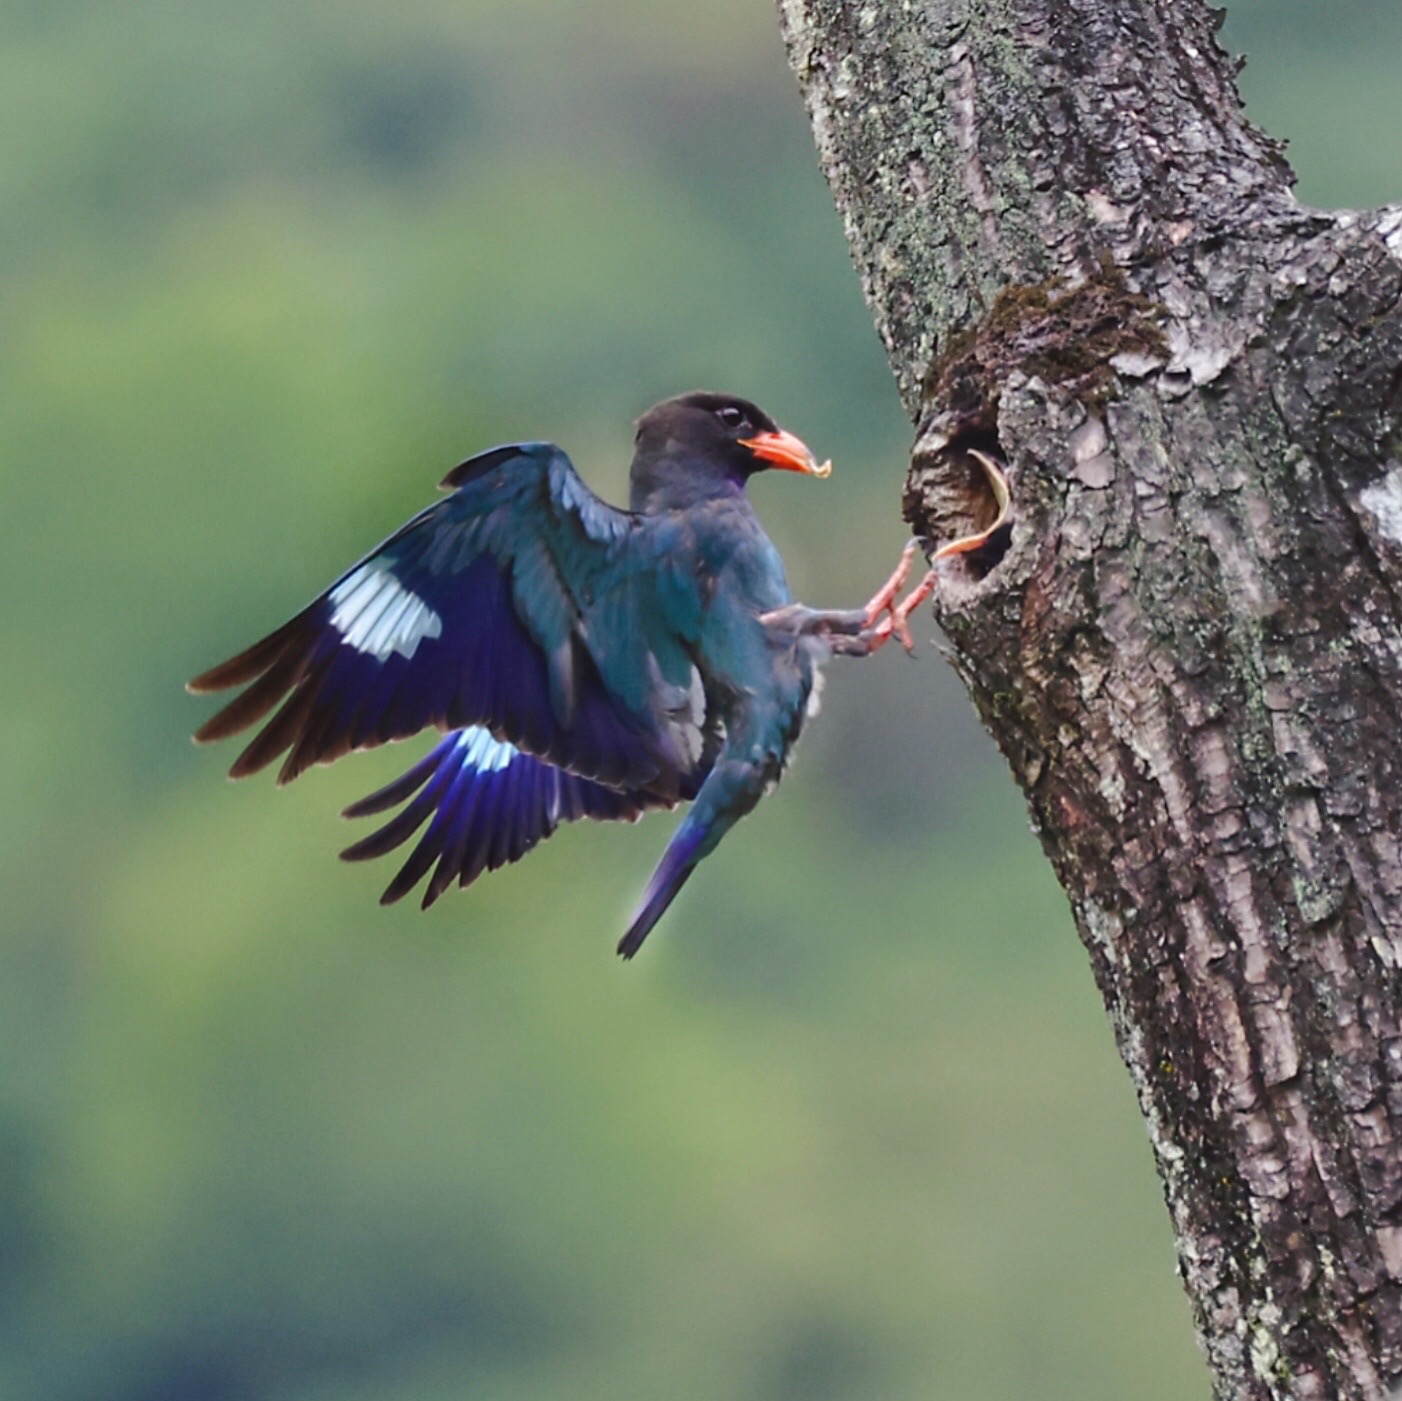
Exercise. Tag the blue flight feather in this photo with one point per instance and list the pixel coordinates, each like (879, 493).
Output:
(489, 803)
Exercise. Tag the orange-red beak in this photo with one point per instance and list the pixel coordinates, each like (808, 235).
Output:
(786, 451)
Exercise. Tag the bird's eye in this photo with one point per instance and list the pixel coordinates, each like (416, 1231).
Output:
(730, 416)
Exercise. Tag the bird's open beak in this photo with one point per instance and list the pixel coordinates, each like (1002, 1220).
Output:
(786, 451)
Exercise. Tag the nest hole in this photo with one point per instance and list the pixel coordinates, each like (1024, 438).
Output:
(950, 497)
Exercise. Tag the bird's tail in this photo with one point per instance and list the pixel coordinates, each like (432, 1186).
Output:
(731, 789)
(678, 862)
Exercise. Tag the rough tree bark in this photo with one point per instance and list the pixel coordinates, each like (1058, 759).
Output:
(1083, 259)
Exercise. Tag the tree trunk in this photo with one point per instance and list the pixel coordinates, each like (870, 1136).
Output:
(1083, 260)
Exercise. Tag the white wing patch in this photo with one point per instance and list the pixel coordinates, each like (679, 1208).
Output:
(482, 752)
(376, 614)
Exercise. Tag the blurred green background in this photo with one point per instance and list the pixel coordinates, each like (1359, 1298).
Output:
(853, 1126)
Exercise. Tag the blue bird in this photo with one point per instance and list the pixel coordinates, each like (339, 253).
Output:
(583, 661)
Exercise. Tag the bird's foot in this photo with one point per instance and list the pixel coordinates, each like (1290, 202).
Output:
(896, 622)
(854, 632)
(885, 596)
(860, 632)
(879, 630)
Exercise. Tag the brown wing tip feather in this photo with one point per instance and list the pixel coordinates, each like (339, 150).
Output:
(247, 665)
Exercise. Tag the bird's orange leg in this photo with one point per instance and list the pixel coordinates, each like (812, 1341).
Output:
(885, 596)
(860, 632)
(897, 619)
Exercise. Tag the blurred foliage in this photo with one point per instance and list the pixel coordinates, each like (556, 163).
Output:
(853, 1127)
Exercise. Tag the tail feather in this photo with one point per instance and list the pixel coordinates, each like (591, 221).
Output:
(678, 862)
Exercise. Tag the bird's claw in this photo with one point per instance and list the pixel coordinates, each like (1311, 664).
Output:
(885, 596)
(896, 623)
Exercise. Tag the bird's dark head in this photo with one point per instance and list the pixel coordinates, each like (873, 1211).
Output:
(699, 446)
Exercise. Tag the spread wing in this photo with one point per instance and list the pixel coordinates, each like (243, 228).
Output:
(489, 804)
(521, 604)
